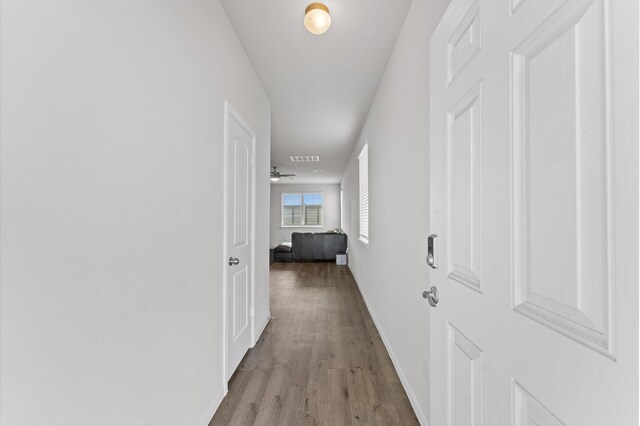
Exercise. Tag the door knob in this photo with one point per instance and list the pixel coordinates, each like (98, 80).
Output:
(233, 261)
(432, 296)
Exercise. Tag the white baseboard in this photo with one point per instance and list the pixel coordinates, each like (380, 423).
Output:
(207, 417)
(260, 329)
(403, 379)
(216, 403)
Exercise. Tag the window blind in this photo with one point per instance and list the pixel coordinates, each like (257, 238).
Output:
(363, 169)
(313, 209)
(302, 209)
(291, 209)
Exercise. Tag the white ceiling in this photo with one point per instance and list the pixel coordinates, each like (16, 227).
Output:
(320, 87)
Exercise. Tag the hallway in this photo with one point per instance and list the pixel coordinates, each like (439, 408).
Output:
(320, 359)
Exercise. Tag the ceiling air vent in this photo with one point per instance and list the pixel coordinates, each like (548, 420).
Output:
(305, 158)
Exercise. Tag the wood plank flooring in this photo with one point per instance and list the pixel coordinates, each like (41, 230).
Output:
(320, 361)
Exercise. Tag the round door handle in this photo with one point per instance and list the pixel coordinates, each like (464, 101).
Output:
(233, 261)
(432, 296)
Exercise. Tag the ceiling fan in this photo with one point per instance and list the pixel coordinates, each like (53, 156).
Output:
(276, 175)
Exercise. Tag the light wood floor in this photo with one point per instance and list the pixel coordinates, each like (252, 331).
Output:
(319, 361)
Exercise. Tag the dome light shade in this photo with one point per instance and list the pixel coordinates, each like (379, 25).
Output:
(316, 18)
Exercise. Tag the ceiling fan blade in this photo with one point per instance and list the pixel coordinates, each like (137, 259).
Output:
(286, 174)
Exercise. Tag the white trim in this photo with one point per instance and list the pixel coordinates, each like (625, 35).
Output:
(225, 383)
(341, 208)
(206, 419)
(261, 329)
(228, 111)
(403, 378)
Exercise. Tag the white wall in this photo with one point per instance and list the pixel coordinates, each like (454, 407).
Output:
(331, 218)
(391, 272)
(111, 171)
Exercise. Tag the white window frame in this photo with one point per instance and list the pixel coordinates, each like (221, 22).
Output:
(341, 208)
(363, 186)
(302, 194)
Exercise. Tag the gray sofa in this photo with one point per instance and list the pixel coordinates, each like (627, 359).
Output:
(312, 246)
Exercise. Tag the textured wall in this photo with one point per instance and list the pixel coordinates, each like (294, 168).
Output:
(391, 272)
(112, 205)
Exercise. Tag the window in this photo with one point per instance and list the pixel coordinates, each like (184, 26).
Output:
(341, 209)
(363, 174)
(302, 209)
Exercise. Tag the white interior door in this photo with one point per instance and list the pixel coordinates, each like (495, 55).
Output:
(239, 239)
(534, 198)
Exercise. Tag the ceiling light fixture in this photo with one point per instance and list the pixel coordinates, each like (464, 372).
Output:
(316, 18)
(275, 179)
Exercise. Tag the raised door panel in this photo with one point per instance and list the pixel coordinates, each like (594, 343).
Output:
(241, 194)
(464, 179)
(239, 303)
(529, 411)
(464, 43)
(464, 380)
(561, 175)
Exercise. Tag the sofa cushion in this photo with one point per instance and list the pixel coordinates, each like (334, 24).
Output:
(328, 247)
(283, 248)
(318, 246)
(307, 246)
(340, 244)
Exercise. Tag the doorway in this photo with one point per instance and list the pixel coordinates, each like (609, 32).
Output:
(239, 243)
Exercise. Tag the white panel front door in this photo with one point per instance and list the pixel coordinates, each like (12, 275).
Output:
(534, 198)
(240, 200)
